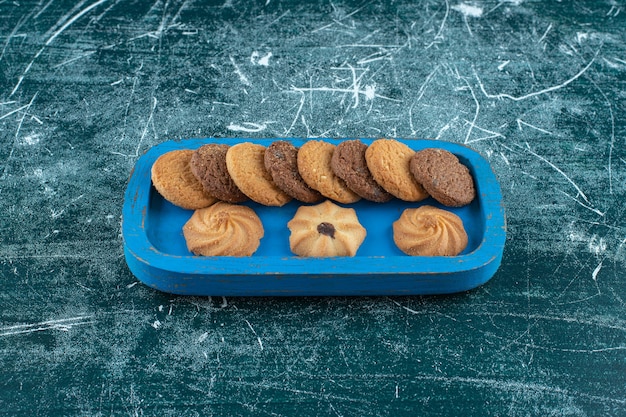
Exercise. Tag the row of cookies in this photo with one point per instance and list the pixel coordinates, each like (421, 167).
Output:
(321, 230)
(345, 173)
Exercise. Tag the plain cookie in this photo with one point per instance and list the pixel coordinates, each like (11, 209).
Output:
(172, 178)
(314, 165)
(388, 160)
(246, 165)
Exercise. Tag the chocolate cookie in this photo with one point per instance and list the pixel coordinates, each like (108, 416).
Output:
(281, 161)
(388, 161)
(349, 164)
(246, 165)
(445, 178)
(208, 165)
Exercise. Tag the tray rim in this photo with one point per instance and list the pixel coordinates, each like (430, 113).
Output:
(138, 245)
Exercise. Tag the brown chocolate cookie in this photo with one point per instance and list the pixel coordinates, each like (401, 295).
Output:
(208, 165)
(349, 164)
(445, 178)
(281, 160)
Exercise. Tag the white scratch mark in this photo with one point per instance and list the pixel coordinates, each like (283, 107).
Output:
(439, 35)
(53, 37)
(302, 100)
(247, 127)
(254, 331)
(520, 122)
(467, 9)
(503, 64)
(476, 112)
(557, 169)
(14, 111)
(612, 141)
(257, 59)
(145, 129)
(545, 33)
(61, 324)
(595, 210)
(241, 75)
(540, 92)
(594, 274)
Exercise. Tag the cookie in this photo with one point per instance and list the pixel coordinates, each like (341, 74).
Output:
(208, 164)
(223, 229)
(325, 230)
(172, 178)
(443, 176)
(246, 165)
(388, 161)
(314, 159)
(281, 161)
(349, 163)
(429, 231)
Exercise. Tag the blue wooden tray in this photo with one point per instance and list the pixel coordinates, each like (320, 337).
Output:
(157, 255)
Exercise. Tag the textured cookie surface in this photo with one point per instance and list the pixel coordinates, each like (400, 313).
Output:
(388, 161)
(208, 164)
(349, 164)
(281, 161)
(325, 230)
(223, 229)
(443, 176)
(429, 231)
(246, 166)
(171, 176)
(314, 159)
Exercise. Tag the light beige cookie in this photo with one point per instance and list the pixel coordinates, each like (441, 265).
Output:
(223, 229)
(314, 165)
(388, 160)
(429, 231)
(325, 230)
(246, 165)
(172, 178)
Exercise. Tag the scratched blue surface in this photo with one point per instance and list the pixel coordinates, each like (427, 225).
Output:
(537, 88)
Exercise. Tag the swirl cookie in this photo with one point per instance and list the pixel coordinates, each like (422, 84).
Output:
(208, 164)
(281, 161)
(443, 176)
(325, 230)
(429, 231)
(171, 176)
(246, 166)
(349, 164)
(388, 160)
(223, 229)
(314, 165)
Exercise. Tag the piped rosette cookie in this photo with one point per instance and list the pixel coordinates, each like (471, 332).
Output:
(223, 229)
(429, 231)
